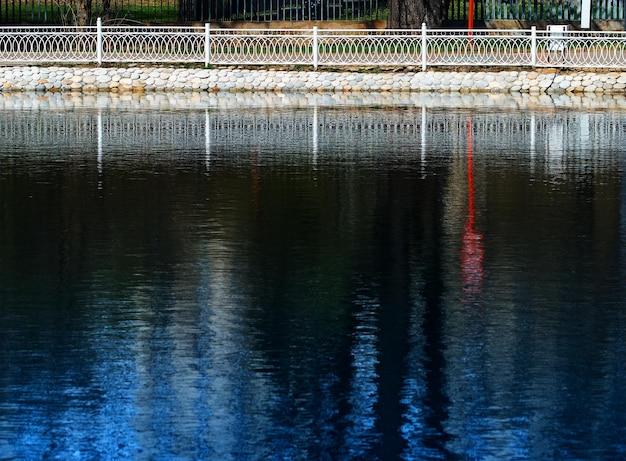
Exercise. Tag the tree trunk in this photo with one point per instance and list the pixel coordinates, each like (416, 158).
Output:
(410, 14)
(106, 11)
(83, 12)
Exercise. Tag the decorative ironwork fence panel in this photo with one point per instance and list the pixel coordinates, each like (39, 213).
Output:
(480, 48)
(100, 44)
(50, 44)
(153, 44)
(582, 49)
(350, 47)
(229, 46)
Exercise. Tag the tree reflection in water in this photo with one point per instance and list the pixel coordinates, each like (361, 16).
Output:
(299, 284)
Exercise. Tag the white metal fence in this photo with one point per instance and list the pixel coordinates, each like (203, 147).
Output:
(312, 47)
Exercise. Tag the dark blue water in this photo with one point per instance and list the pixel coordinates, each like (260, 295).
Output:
(321, 282)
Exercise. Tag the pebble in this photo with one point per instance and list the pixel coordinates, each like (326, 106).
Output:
(150, 79)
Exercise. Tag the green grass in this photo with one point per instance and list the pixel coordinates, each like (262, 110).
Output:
(124, 11)
(56, 12)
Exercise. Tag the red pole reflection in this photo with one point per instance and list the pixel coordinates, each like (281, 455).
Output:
(472, 252)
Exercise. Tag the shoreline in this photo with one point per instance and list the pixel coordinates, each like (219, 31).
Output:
(233, 79)
(208, 101)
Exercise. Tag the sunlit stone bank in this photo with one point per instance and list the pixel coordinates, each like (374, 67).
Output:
(232, 79)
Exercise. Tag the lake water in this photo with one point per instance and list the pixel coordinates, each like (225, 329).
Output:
(320, 277)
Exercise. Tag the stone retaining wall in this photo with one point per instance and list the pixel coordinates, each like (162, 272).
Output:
(233, 79)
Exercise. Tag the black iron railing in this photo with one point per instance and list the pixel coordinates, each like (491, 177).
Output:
(172, 11)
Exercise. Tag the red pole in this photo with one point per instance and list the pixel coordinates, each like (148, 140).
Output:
(470, 16)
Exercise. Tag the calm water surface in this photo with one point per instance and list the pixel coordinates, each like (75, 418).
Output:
(319, 280)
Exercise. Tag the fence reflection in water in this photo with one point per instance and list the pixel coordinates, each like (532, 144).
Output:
(139, 321)
(552, 131)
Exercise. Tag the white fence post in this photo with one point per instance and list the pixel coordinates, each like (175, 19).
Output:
(533, 46)
(99, 40)
(424, 49)
(315, 48)
(207, 44)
